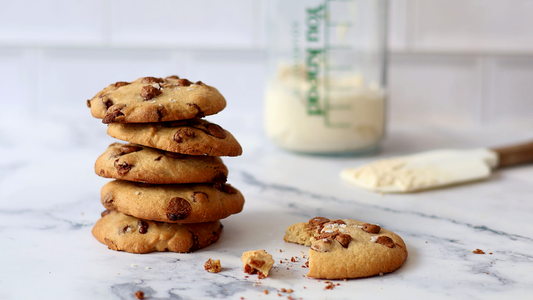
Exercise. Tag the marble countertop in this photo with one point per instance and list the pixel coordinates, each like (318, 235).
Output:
(49, 201)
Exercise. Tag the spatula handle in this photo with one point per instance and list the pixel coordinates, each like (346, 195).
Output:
(514, 155)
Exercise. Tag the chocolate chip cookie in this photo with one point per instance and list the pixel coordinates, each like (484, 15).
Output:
(192, 137)
(124, 233)
(134, 162)
(151, 99)
(347, 248)
(172, 203)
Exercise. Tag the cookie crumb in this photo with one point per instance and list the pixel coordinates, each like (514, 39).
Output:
(478, 251)
(292, 259)
(212, 266)
(329, 286)
(290, 297)
(490, 253)
(265, 291)
(147, 268)
(134, 265)
(139, 294)
(257, 262)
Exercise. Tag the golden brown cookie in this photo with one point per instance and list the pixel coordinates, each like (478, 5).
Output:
(347, 248)
(192, 137)
(173, 203)
(134, 162)
(150, 99)
(124, 233)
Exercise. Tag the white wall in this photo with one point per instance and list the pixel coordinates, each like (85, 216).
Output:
(463, 60)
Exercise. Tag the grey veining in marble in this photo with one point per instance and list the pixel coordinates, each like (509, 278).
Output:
(49, 201)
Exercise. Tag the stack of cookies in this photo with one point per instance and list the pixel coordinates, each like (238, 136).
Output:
(170, 189)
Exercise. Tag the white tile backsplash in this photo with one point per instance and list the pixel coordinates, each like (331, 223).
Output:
(473, 25)
(433, 87)
(227, 23)
(510, 89)
(55, 22)
(458, 60)
(239, 76)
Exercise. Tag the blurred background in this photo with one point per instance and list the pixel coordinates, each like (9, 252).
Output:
(452, 62)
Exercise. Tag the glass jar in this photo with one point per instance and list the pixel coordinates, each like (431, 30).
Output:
(325, 91)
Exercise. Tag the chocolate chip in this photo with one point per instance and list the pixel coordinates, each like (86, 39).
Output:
(196, 123)
(175, 155)
(338, 221)
(143, 226)
(257, 263)
(89, 103)
(158, 158)
(226, 188)
(173, 77)
(160, 113)
(199, 112)
(344, 239)
(178, 209)
(151, 80)
(184, 82)
(200, 197)
(195, 242)
(125, 229)
(108, 199)
(199, 83)
(317, 222)
(385, 241)
(249, 270)
(113, 113)
(220, 177)
(122, 168)
(371, 228)
(183, 133)
(216, 131)
(107, 102)
(326, 235)
(129, 148)
(148, 92)
(121, 83)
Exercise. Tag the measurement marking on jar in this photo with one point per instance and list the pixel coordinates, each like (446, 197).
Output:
(328, 68)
